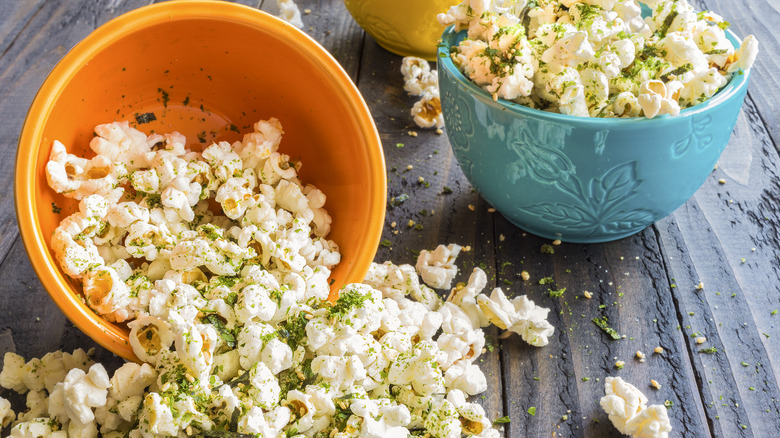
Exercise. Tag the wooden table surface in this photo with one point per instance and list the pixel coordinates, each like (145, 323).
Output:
(727, 236)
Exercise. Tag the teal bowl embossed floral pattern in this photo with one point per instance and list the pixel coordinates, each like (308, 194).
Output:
(582, 179)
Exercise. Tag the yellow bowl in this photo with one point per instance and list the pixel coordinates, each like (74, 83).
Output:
(404, 27)
(202, 67)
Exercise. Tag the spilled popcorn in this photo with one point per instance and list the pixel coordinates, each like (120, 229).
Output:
(628, 411)
(289, 12)
(597, 58)
(420, 80)
(230, 313)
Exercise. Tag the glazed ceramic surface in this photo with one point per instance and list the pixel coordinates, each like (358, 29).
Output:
(404, 27)
(201, 67)
(582, 179)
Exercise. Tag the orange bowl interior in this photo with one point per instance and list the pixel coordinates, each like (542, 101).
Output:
(208, 70)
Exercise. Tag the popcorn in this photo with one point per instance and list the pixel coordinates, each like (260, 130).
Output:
(37, 428)
(465, 296)
(12, 375)
(229, 311)
(6, 413)
(289, 11)
(437, 268)
(420, 80)
(652, 422)
(80, 392)
(576, 58)
(426, 112)
(656, 98)
(628, 411)
(520, 315)
(77, 177)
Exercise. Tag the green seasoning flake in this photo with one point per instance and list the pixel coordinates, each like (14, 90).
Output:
(398, 200)
(724, 25)
(678, 71)
(711, 350)
(165, 97)
(58, 210)
(145, 118)
(716, 52)
(603, 324)
(556, 293)
(546, 280)
(585, 379)
(661, 32)
(668, 404)
(399, 145)
(505, 419)
(774, 312)
(348, 300)
(446, 190)
(386, 243)
(219, 324)
(532, 410)
(547, 249)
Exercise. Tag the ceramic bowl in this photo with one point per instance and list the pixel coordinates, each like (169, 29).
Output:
(202, 68)
(582, 179)
(404, 27)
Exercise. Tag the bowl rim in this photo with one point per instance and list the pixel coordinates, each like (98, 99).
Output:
(736, 84)
(46, 267)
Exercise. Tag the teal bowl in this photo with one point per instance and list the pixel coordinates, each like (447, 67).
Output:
(582, 179)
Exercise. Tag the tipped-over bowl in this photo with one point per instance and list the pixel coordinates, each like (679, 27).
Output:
(203, 68)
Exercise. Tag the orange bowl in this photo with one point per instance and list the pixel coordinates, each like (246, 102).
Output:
(208, 70)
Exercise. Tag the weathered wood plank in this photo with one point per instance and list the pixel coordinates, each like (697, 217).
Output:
(437, 217)
(16, 16)
(566, 378)
(726, 237)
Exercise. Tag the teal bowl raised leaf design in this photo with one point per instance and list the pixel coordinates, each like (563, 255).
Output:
(582, 179)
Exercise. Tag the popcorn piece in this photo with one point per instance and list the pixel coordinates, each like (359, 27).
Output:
(622, 402)
(148, 337)
(652, 422)
(289, 11)
(120, 142)
(6, 413)
(83, 391)
(156, 417)
(418, 76)
(426, 112)
(12, 376)
(437, 268)
(656, 98)
(520, 316)
(37, 428)
(465, 296)
(77, 177)
(627, 410)
(745, 56)
(106, 293)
